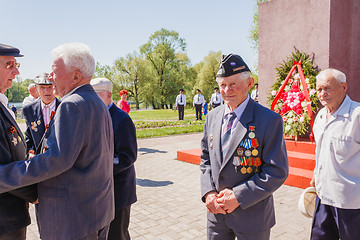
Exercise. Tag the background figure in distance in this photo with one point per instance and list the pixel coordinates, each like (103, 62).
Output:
(125, 153)
(38, 114)
(14, 109)
(180, 103)
(75, 172)
(255, 93)
(33, 95)
(216, 99)
(336, 175)
(122, 103)
(205, 107)
(243, 159)
(198, 103)
(14, 215)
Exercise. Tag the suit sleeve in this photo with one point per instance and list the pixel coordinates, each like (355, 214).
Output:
(274, 169)
(125, 145)
(60, 156)
(207, 184)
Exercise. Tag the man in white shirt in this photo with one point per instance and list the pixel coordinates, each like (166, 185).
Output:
(33, 95)
(255, 93)
(180, 103)
(337, 174)
(198, 103)
(216, 99)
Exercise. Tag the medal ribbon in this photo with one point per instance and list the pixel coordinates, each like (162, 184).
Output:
(257, 162)
(254, 142)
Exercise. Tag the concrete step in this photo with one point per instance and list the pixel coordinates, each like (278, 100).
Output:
(300, 146)
(299, 177)
(301, 160)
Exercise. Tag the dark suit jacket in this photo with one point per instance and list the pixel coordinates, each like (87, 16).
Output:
(33, 115)
(75, 174)
(252, 190)
(13, 205)
(125, 153)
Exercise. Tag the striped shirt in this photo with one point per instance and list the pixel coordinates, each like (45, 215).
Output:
(46, 111)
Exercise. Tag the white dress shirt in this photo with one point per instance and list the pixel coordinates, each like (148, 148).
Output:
(337, 171)
(198, 99)
(216, 99)
(4, 100)
(180, 100)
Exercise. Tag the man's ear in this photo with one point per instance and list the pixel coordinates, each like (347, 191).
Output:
(77, 76)
(250, 82)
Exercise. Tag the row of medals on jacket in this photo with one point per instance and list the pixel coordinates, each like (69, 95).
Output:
(246, 157)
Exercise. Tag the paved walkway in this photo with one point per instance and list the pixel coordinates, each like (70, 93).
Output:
(169, 205)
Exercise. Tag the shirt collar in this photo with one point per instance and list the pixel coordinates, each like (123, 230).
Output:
(344, 109)
(69, 93)
(239, 110)
(110, 105)
(4, 100)
(50, 105)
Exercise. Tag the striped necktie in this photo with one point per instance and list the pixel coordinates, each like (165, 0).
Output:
(225, 138)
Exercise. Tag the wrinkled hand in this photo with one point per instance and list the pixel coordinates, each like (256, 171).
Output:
(212, 204)
(312, 181)
(227, 200)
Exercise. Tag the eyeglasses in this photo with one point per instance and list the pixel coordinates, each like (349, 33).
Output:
(12, 64)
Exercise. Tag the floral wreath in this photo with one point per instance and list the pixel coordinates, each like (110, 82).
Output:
(293, 95)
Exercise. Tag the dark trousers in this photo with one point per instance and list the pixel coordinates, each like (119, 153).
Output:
(15, 235)
(331, 223)
(98, 235)
(119, 226)
(181, 111)
(198, 108)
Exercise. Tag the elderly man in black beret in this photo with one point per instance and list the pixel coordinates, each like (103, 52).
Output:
(14, 215)
(243, 159)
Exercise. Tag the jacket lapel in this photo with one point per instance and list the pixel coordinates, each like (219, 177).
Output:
(13, 122)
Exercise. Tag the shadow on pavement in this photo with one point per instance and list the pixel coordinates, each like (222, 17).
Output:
(151, 183)
(150, 150)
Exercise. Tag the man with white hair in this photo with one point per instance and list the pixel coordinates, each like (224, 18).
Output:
(33, 95)
(74, 173)
(243, 159)
(125, 153)
(336, 175)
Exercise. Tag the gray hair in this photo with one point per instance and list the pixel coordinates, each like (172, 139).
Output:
(76, 55)
(31, 85)
(331, 72)
(243, 76)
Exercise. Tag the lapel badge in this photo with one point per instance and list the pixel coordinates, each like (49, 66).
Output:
(251, 133)
(211, 137)
(38, 122)
(211, 146)
(19, 139)
(35, 129)
(14, 141)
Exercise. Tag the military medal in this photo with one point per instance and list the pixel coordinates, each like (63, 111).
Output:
(211, 137)
(38, 122)
(251, 133)
(250, 163)
(248, 153)
(14, 141)
(211, 146)
(14, 138)
(255, 152)
(243, 163)
(257, 163)
(236, 162)
(240, 151)
(19, 139)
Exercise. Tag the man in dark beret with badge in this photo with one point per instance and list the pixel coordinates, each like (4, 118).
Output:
(243, 159)
(14, 215)
(39, 113)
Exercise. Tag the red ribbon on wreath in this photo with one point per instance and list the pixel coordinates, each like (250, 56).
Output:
(305, 89)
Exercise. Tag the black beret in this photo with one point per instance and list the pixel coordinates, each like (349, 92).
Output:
(216, 88)
(6, 50)
(230, 65)
(181, 90)
(198, 90)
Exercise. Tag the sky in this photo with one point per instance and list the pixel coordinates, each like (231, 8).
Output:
(114, 28)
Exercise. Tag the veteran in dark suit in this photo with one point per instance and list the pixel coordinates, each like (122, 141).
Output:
(125, 153)
(14, 215)
(243, 159)
(39, 113)
(75, 172)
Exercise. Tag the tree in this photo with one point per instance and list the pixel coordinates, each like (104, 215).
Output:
(131, 74)
(108, 72)
(165, 53)
(19, 90)
(254, 30)
(206, 75)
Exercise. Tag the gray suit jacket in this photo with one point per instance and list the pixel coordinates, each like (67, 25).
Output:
(75, 174)
(252, 190)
